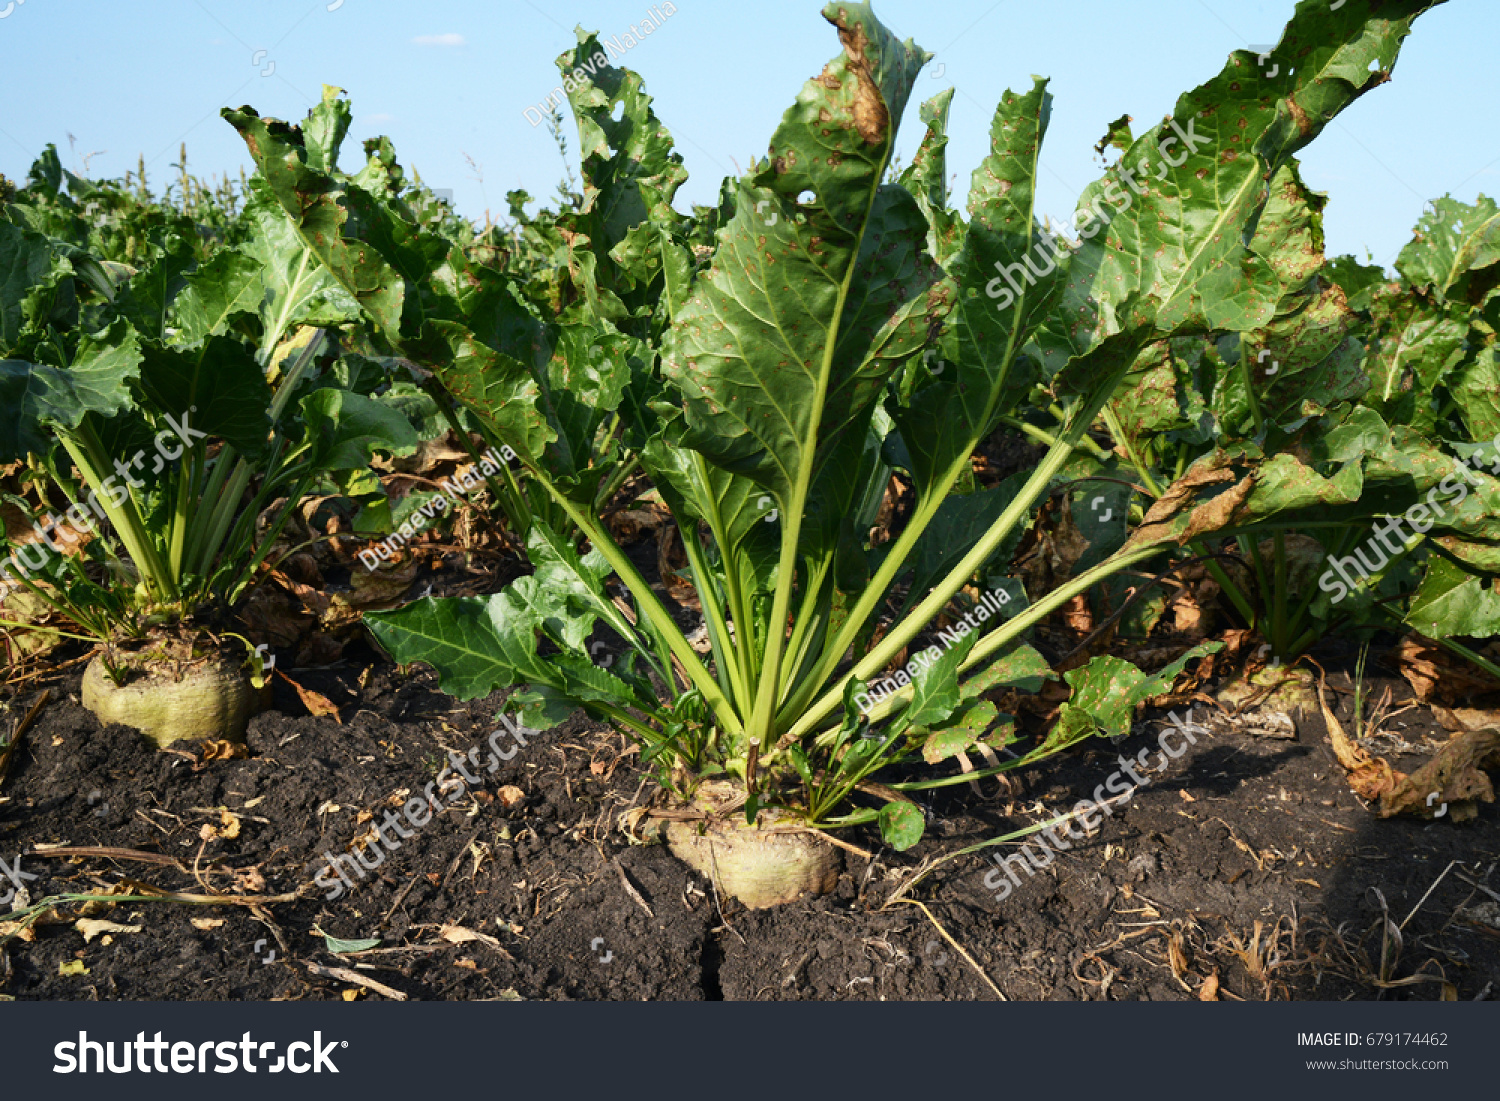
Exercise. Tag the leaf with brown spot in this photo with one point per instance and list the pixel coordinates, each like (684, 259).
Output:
(1178, 516)
(850, 284)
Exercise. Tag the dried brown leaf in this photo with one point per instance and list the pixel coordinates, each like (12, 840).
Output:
(95, 927)
(1369, 777)
(315, 702)
(221, 749)
(1454, 776)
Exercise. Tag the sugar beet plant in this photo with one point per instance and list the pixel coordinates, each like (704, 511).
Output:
(772, 363)
(1360, 401)
(175, 410)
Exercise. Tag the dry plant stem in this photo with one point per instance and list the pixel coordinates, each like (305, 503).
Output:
(163, 895)
(835, 841)
(923, 873)
(1479, 886)
(1425, 897)
(630, 889)
(344, 974)
(956, 947)
(108, 853)
(24, 919)
(49, 670)
(20, 732)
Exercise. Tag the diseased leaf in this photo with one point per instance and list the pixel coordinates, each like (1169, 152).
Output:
(1455, 250)
(982, 373)
(228, 284)
(901, 825)
(1454, 604)
(1021, 666)
(961, 731)
(1106, 692)
(321, 213)
(818, 283)
(927, 180)
(1183, 201)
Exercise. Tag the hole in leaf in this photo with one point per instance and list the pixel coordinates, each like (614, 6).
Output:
(619, 112)
(807, 198)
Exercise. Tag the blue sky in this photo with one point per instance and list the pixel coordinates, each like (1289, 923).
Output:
(448, 81)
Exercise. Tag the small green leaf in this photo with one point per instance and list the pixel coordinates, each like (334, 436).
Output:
(340, 947)
(1106, 692)
(901, 825)
(961, 732)
(798, 757)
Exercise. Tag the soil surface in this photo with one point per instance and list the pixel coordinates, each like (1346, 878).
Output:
(1245, 869)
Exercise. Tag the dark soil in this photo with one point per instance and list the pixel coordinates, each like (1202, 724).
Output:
(1246, 869)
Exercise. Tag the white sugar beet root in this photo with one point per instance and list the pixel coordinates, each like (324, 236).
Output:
(768, 864)
(169, 701)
